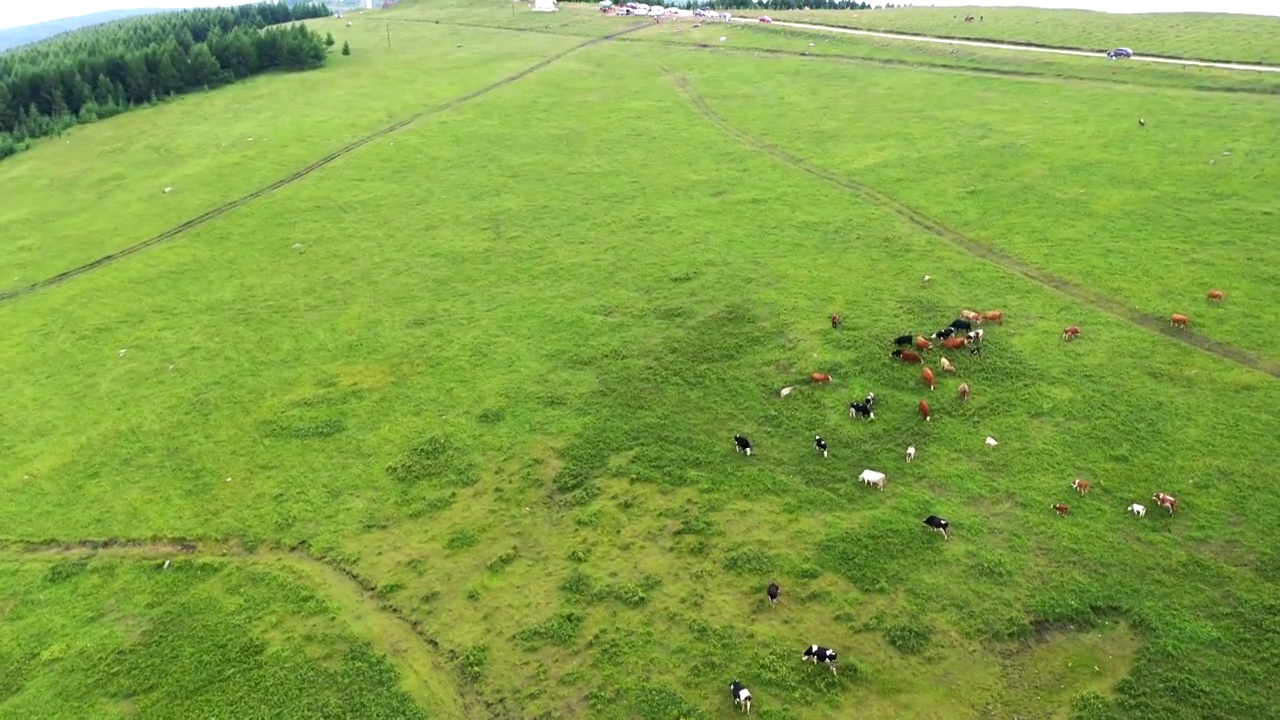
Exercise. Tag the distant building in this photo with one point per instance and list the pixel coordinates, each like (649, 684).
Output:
(366, 4)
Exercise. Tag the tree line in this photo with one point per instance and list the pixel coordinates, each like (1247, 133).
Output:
(94, 73)
(771, 5)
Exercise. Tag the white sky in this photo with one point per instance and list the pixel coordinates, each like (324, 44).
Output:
(15, 13)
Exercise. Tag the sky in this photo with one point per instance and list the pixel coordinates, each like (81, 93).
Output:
(16, 13)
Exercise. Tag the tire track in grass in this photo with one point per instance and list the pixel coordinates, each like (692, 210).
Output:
(1079, 293)
(417, 656)
(299, 174)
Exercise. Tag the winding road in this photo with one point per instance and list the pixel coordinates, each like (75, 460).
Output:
(1006, 46)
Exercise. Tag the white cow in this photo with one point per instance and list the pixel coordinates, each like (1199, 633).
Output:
(911, 453)
(873, 478)
(1137, 509)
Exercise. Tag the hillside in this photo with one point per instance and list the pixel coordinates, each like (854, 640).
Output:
(14, 37)
(408, 386)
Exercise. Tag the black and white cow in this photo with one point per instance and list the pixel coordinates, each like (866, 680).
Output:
(772, 592)
(820, 445)
(903, 340)
(742, 444)
(936, 523)
(741, 696)
(944, 333)
(962, 324)
(870, 400)
(976, 336)
(819, 654)
(976, 349)
(862, 410)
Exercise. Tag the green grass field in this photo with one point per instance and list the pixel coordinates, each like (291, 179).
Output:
(1200, 36)
(449, 420)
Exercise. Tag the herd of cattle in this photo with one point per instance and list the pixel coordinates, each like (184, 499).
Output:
(961, 333)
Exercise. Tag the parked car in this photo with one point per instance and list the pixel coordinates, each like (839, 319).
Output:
(1119, 53)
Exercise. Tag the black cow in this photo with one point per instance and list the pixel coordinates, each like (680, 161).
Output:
(741, 696)
(742, 444)
(944, 333)
(903, 340)
(939, 524)
(772, 592)
(960, 324)
(820, 654)
(820, 445)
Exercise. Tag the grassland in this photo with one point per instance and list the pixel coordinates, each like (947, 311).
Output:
(1194, 36)
(489, 366)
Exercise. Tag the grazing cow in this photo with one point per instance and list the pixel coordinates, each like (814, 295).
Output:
(741, 696)
(923, 344)
(971, 316)
(947, 366)
(906, 356)
(944, 333)
(835, 321)
(975, 350)
(911, 453)
(964, 391)
(786, 391)
(872, 478)
(862, 410)
(965, 325)
(927, 376)
(1137, 509)
(1179, 320)
(953, 343)
(742, 444)
(1070, 333)
(772, 592)
(903, 340)
(924, 411)
(870, 400)
(1061, 509)
(996, 316)
(818, 654)
(1142, 122)
(936, 523)
(820, 445)
(1081, 486)
(819, 378)
(976, 336)
(1216, 295)
(1166, 501)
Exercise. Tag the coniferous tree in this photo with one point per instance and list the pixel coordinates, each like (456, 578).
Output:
(346, 48)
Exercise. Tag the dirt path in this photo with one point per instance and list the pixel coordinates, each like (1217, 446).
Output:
(424, 672)
(1010, 262)
(1007, 46)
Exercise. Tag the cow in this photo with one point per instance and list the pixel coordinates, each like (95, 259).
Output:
(964, 324)
(976, 336)
(944, 333)
(818, 654)
(862, 410)
(911, 453)
(923, 344)
(996, 316)
(1070, 333)
(872, 479)
(1061, 509)
(835, 321)
(1137, 509)
(819, 378)
(924, 411)
(947, 366)
(870, 400)
(936, 523)
(1080, 486)
(1179, 320)
(742, 444)
(927, 375)
(971, 316)
(975, 350)
(772, 592)
(1216, 295)
(906, 356)
(964, 391)
(1166, 501)
(903, 340)
(953, 343)
(741, 696)
(820, 445)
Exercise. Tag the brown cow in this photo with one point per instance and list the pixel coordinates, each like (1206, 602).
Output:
(953, 343)
(924, 411)
(947, 366)
(819, 378)
(1179, 320)
(1061, 509)
(927, 375)
(964, 391)
(906, 356)
(971, 316)
(996, 316)
(1071, 333)
(1080, 485)
(1216, 295)
(923, 344)
(1166, 501)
